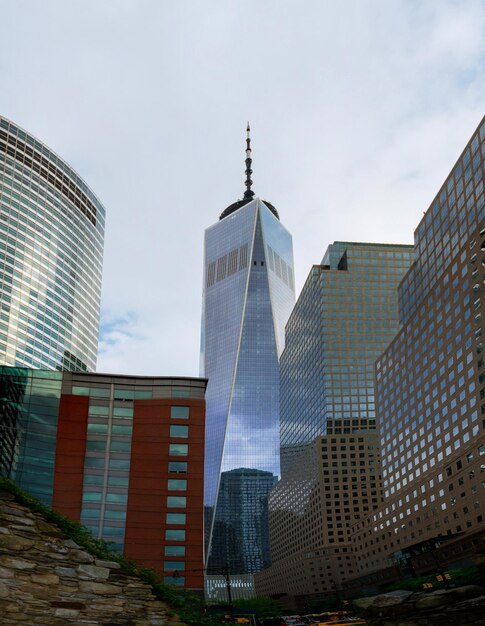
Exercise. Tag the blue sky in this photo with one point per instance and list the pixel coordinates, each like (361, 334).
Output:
(358, 109)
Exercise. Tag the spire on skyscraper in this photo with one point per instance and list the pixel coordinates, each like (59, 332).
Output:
(249, 193)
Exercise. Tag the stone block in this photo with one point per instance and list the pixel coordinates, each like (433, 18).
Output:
(98, 588)
(92, 571)
(45, 579)
(6, 573)
(15, 543)
(108, 564)
(66, 613)
(8, 561)
(80, 556)
(12, 510)
(4, 591)
(12, 607)
(18, 520)
(65, 571)
(431, 601)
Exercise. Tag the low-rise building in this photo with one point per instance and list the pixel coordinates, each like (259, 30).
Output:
(124, 455)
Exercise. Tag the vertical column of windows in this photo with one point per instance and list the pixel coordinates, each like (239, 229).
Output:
(177, 517)
(106, 473)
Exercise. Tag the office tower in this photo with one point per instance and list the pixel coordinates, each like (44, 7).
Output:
(431, 384)
(344, 318)
(248, 295)
(51, 253)
(123, 455)
(241, 524)
(311, 511)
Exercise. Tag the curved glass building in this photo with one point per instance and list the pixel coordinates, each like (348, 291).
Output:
(51, 253)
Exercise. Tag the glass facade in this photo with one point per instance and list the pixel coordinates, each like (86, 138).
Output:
(344, 318)
(51, 248)
(247, 298)
(430, 381)
(241, 534)
(29, 408)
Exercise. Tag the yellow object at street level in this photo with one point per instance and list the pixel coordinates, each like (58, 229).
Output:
(334, 618)
(427, 585)
(442, 577)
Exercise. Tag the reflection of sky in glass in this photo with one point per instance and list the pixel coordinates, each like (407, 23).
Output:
(52, 253)
(33, 397)
(242, 335)
(345, 317)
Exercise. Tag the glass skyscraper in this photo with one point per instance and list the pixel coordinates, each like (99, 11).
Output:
(248, 295)
(51, 249)
(345, 317)
(241, 533)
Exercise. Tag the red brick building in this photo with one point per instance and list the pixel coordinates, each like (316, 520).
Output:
(123, 455)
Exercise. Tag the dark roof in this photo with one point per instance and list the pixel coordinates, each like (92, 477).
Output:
(240, 203)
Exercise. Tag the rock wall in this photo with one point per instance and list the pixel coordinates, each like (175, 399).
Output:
(46, 578)
(463, 606)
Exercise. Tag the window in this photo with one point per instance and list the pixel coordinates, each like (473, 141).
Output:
(121, 411)
(171, 534)
(97, 428)
(124, 394)
(171, 580)
(176, 518)
(179, 412)
(80, 391)
(174, 502)
(180, 393)
(172, 566)
(177, 467)
(118, 481)
(175, 484)
(100, 392)
(120, 446)
(117, 498)
(177, 430)
(178, 449)
(174, 550)
(98, 410)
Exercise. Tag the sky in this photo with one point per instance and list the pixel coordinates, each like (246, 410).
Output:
(358, 111)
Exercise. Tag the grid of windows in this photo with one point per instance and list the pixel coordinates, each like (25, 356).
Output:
(51, 246)
(430, 381)
(330, 485)
(244, 315)
(344, 318)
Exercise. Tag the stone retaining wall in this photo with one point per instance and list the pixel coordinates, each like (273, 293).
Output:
(46, 578)
(463, 606)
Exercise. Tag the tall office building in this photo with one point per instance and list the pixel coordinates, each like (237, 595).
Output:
(51, 252)
(344, 318)
(241, 524)
(248, 295)
(431, 384)
(123, 455)
(311, 511)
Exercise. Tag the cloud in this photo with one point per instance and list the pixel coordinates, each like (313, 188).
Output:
(358, 109)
